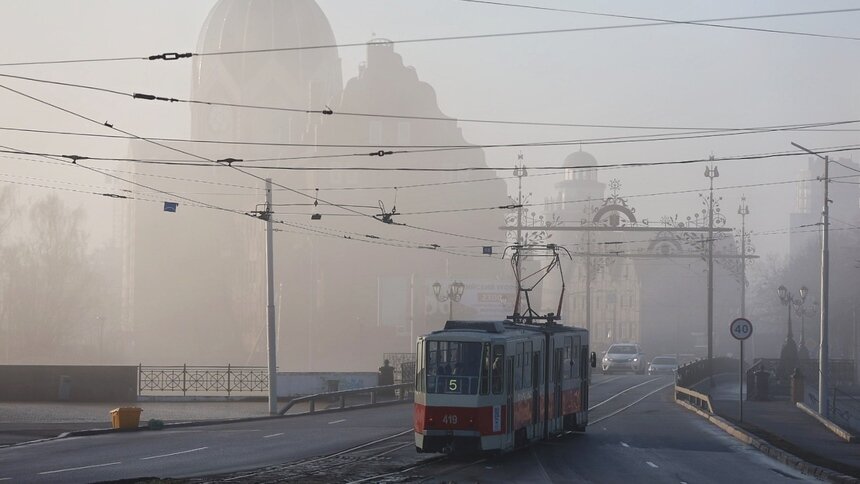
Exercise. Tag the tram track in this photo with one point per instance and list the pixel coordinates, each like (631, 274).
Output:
(450, 464)
(322, 468)
(391, 458)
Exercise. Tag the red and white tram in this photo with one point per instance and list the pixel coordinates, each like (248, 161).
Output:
(496, 385)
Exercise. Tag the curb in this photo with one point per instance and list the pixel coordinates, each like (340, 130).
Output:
(831, 426)
(200, 423)
(771, 451)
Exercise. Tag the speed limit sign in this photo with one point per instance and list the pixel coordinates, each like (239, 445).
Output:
(741, 328)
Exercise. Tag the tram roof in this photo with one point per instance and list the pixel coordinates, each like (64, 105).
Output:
(499, 327)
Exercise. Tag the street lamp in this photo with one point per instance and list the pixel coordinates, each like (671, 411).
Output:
(454, 293)
(788, 355)
(800, 310)
(711, 172)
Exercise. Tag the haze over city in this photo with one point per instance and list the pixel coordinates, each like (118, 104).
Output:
(149, 292)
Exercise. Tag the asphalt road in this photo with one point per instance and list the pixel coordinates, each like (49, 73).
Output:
(637, 434)
(195, 451)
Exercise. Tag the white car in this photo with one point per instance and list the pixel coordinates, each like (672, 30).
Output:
(624, 357)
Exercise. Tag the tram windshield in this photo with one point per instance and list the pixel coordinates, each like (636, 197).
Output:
(453, 367)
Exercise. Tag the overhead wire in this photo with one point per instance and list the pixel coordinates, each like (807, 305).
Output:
(173, 56)
(695, 134)
(214, 162)
(702, 23)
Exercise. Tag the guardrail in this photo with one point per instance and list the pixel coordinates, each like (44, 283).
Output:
(699, 370)
(848, 410)
(340, 400)
(841, 371)
(202, 379)
(694, 398)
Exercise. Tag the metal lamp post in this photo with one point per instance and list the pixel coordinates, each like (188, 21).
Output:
(454, 293)
(800, 310)
(711, 172)
(788, 354)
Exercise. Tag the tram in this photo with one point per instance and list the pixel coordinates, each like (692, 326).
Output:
(499, 385)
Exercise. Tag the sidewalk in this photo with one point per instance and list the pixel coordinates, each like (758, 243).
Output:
(27, 421)
(782, 424)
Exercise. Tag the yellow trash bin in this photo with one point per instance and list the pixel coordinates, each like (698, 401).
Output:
(125, 417)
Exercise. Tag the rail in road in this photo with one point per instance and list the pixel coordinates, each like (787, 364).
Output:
(635, 430)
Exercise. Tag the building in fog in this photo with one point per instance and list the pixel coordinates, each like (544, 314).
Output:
(809, 202)
(348, 287)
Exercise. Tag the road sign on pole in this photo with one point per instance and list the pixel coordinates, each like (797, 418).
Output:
(741, 329)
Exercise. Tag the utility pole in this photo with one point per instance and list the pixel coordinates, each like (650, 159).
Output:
(711, 172)
(824, 347)
(744, 210)
(270, 308)
(588, 270)
(519, 172)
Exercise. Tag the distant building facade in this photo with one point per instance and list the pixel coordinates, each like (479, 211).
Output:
(196, 288)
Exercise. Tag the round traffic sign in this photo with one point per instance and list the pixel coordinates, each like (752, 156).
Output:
(741, 328)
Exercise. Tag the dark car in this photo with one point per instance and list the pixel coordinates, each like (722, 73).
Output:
(663, 365)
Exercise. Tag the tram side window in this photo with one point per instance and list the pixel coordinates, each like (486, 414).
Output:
(485, 370)
(527, 370)
(498, 369)
(419, 367)
(518, 369)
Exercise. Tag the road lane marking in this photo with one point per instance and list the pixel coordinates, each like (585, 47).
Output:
(624, 444)
(273, 435)
(652, 464)
(5, 478)
(174, 453)
(69, 469)
(337, 421)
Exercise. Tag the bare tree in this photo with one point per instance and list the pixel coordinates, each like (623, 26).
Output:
(49, 292)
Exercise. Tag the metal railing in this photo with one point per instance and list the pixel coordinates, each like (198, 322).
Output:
(697, 371)
(202, 379)
(360, 397)
(694, 398)
(841, 371)
(404, 366)
(847, 411)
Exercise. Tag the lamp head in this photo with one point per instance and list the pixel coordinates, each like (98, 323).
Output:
(458, 288)
(803, 292)
(436, 288)
(782, 292)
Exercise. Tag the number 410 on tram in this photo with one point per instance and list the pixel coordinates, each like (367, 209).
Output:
(496, 385)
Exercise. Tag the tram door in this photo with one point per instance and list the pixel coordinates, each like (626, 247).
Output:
(583, 372)
(535, 389)
(509, 378)
(558, 379)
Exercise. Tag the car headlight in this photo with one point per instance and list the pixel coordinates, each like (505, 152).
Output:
(635, 360)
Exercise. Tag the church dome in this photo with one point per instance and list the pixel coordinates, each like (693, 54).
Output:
(580, 159)
(299, 79)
